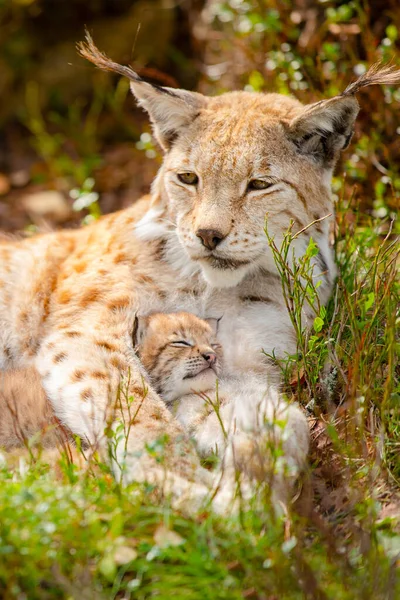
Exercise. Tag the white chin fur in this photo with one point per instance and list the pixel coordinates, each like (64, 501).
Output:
(223, 278)
(203, 382)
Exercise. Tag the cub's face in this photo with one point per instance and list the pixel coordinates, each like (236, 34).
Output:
(180, 352)
(234, 165)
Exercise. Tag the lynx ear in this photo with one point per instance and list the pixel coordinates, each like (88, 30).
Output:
(323, 129)
(170, 110)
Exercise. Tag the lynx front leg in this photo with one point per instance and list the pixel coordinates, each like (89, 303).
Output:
(80, 382)
(259, 434)
(270, 442)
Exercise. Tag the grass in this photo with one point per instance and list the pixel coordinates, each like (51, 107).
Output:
(91, 539)
(69, 533)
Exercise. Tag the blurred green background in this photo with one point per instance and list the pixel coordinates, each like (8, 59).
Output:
(72, 143)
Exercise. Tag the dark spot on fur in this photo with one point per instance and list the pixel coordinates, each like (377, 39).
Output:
(78, 375)
(8, 353)
(72, 334)
(90, 296)
(159, 250)
(64, 296)
(87, 394)
(107, 346)
(98, 375)
(118, 303)
(60, 357)
(117, 363)
(136, 391)
(80, 266)
(121, 257)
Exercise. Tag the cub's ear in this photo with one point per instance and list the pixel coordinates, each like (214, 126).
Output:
(170, 110)
(214, 323)
(140, 325)
(323, 129)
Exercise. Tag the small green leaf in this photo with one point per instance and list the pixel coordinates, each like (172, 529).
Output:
(256, 80)
(391, 32)
(107, 567)
(318, 324)
(312, 248)
(369, 301)
(332, 432)
(312, 341)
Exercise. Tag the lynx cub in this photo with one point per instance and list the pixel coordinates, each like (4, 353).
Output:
(183, 359)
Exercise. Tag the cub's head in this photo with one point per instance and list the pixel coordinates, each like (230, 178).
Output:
(233, 159)
(179, 351)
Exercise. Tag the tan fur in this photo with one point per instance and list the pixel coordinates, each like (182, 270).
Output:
(68, 300)
(26, 412)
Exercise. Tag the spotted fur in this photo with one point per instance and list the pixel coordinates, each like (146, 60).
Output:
(26, 412)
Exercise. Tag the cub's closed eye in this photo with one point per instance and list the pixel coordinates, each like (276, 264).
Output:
(259, 184)
(181, 344)
(188, 178)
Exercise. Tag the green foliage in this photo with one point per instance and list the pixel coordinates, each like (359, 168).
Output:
(356, 336)
(92, 539)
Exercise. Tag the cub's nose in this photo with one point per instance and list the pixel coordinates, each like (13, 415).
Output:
(210, 357)
(210, 238)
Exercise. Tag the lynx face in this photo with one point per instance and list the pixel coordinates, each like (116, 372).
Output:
(234, 165)
(180, 353)
(243, 157)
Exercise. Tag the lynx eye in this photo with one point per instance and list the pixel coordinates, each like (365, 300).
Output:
(188, 178)
(259, 184)
(181, 344)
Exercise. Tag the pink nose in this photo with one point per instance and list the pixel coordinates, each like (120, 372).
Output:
(210, 238)
(210, 357)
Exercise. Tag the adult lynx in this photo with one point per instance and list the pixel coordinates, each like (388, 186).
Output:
(68, 299)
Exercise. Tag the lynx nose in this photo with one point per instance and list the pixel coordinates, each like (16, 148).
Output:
(210, 238)
(210, 357)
